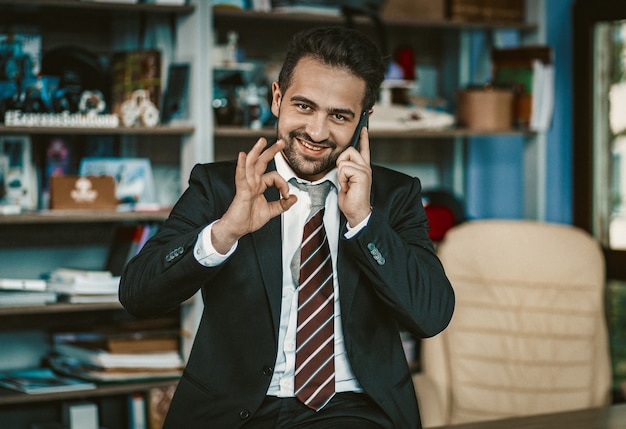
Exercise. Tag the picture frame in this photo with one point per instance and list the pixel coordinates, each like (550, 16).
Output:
(134, 180)
(20, 176)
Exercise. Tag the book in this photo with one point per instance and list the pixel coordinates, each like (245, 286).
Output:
(19, 174)
(23, 284)
(75, 368)
(69, 281)
(104, 359)
(71, 274)
(15, 298)
(137, 411)
(160, 340)
(79, 298)
(126, 242)
(313, 7)
(80, 415)
(41, 380)
(176, 96)
(543, 96)
(159, 400)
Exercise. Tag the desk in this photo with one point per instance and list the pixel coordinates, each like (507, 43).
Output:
(613, 417)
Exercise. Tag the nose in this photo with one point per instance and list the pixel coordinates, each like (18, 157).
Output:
(317, 127)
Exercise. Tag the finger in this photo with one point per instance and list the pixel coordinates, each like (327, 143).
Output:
(274, 179)
(364, 145)
(280, 206)
(286, 203)
(268, 155)
(255, 152)
(240, 170)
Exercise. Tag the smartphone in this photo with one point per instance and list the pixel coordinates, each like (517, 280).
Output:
(363, 122)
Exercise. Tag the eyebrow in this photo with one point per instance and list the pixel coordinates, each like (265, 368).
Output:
(333, 110)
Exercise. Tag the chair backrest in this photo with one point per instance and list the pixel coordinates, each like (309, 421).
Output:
(528, 335)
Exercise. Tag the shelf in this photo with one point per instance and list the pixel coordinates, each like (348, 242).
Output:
(10, 397)
(66, 308)
(232, 13)
(111, 7)
(239, 132)
(172, 130)
(84, 216)
(58, 308)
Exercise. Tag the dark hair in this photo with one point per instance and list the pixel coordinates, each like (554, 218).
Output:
(337, 47)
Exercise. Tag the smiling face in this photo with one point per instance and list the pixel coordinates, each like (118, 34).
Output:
(317, 116)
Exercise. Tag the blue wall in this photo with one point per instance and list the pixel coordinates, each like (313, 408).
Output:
(495, 170)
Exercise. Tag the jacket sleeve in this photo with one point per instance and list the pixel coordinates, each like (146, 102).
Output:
(397, 256)
(165, 272)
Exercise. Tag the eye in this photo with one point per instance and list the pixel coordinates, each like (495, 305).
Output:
(303, 107)
(339, 117)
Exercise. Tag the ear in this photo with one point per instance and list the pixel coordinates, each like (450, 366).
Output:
(276, 98)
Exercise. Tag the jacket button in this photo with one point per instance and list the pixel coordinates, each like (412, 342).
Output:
(244, 414)
(268, 370)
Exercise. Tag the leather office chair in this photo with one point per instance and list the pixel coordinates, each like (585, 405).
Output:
(528, 335)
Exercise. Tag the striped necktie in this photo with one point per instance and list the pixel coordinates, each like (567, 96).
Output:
(315, 366)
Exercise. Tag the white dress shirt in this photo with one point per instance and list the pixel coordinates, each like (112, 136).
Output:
(293, 220)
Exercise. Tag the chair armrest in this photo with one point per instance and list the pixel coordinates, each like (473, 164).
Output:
(432, 410)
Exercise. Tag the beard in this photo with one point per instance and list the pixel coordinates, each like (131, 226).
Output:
(306, 166)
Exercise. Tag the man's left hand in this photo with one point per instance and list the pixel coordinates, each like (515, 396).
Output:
(355, 181)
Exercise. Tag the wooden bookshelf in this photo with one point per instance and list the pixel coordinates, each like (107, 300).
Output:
(11, 397)
(416, 134)
(170, 130)
(84, 216)
(42, 6)
(224, 13)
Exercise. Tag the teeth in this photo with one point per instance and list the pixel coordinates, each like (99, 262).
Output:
(305, 144)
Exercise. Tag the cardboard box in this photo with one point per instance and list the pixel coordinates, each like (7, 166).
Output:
(485, 109)
(414, 10)
(83, 192)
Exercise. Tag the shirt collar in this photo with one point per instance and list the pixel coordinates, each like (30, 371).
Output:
(285, 171)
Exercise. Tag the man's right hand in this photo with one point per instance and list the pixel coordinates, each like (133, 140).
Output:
(249, 210)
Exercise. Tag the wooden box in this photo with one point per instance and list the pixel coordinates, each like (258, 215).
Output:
(486, 10)
(83, 192)
(414, 10)
(485, 109)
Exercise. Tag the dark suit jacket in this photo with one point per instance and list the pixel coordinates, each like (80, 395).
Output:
(389, 276)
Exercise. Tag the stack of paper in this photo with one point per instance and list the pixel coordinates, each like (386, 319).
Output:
(73, 285)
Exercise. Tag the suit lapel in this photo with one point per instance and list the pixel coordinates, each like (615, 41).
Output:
(268, 249)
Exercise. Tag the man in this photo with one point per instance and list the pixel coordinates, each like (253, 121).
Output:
(236, 234)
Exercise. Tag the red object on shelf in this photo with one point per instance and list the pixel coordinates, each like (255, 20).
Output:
(443, 210)
(441, 219)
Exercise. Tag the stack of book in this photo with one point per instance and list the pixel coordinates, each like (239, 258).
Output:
(529, 71)
(121, 356)
(41, 380)
(24, 292)
(82, 286)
